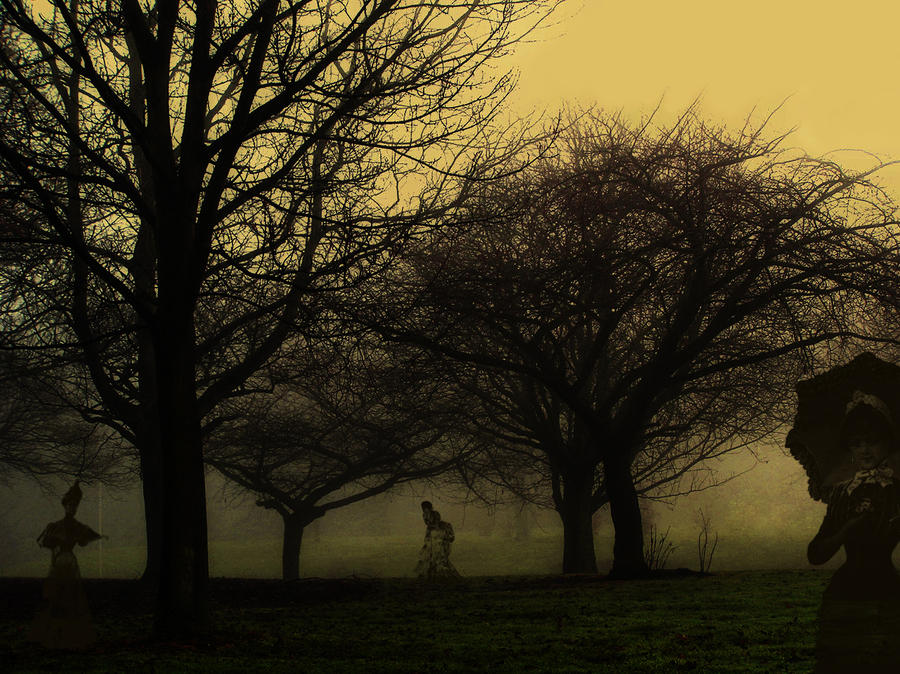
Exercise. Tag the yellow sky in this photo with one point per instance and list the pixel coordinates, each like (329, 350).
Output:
(835, 63)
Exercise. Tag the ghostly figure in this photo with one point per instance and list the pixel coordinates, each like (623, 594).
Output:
(434, 557)
(859, 621)
(64, 620)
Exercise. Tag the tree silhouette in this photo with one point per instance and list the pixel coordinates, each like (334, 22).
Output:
(329, 429)
(195, 172)
(42, 435)
(642, 299)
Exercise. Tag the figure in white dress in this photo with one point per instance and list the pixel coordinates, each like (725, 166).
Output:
(434, 557)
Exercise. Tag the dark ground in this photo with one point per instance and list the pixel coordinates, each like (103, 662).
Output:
(741, 621)
(117, 596)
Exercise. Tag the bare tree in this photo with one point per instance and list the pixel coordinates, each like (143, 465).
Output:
(658, 548)
(355, 419)
(200, 170)
(705, 551)
(644, 300)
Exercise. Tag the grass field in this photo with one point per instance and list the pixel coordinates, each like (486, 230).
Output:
(762, 621)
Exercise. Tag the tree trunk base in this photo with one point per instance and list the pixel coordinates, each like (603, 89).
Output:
(630, 573)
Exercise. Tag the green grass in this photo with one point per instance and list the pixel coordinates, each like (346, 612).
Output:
(730, 622)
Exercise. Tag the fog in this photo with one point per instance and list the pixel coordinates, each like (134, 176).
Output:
(763, 517)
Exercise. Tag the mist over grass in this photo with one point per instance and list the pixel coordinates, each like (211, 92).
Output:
(395, 557)
(509, 612)
(764, 519)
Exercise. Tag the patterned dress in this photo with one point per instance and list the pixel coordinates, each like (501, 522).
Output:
(64, 620)
(434, 557)
(859, 621)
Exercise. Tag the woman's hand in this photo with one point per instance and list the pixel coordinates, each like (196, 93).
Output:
(864, 506)
(894, 526)
(855, 524)
(822, 548)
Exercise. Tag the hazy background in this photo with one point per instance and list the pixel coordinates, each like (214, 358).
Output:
(764, 518)
(832, 66)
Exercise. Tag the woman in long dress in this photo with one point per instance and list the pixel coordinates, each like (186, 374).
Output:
(859, 621)
(434, 557)
(64, 620)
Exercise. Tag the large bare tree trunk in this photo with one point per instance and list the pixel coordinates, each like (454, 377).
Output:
(628, 551)
(183, 589)
(578, 534)
(152, 486)
(143, 272)
(150, 451)
(184, 571)
(290, 547)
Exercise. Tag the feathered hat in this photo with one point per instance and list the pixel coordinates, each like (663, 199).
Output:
(72, 496)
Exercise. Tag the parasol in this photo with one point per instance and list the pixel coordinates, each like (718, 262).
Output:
(821, 403)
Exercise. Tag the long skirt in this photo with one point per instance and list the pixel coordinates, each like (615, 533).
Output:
(64, 619)
(434, 557)
(858, 636)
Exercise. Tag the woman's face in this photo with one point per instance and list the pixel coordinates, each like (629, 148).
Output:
(867, 449)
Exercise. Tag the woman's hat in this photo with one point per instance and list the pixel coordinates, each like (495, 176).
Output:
(868, 409)
(860, 398)
(864, 391)
(72, 496)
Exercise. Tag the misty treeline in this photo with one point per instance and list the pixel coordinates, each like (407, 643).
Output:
(297, 242)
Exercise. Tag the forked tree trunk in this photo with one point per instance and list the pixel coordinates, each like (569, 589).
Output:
(148, 431)
(576, 513)
(143, 272)
(628, 551)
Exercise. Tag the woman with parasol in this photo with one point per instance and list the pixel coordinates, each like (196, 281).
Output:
(846, 437)
(863, 512)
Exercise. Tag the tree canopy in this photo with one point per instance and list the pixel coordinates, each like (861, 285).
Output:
(191, 174)
(643, 298)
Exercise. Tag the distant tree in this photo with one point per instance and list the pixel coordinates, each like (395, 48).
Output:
(200, 170)
(525, 429)
(352, 420)
(643, 300)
